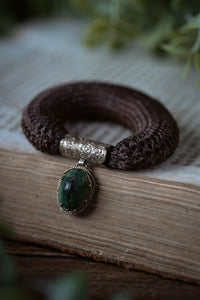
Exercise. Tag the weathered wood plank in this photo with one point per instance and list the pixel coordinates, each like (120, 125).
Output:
(42, 264)
(137, 222)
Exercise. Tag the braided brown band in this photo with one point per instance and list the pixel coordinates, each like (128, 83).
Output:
(155, 132)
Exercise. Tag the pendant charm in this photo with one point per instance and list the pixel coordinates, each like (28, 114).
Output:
(75, 189)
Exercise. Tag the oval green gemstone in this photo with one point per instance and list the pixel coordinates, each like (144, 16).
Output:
(73, 190)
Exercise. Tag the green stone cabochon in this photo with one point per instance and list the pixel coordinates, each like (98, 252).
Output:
(73, 189)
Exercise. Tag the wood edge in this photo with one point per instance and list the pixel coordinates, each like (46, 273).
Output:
(95, 257)
(89, 254)
(71, 162)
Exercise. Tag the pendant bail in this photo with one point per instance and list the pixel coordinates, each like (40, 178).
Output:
(82, 163)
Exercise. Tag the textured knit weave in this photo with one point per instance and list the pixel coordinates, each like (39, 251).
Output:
(155, 132)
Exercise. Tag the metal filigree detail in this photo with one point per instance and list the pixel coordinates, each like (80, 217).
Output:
(78, 147)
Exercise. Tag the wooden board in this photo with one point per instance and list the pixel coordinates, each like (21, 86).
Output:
(136, 222)
(38, 265)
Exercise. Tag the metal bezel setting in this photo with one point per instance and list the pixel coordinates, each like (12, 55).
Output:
(90, 194)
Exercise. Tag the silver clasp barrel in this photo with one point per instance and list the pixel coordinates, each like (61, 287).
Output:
(78, 147)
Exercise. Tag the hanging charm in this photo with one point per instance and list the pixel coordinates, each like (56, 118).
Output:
(75, 188)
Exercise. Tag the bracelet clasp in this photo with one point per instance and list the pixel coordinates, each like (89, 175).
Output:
(78, 147)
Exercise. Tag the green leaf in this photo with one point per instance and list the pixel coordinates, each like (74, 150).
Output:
(97, 31)
(194, 23)
(5, 229)
(180, 51)
(196, 46)
(8, 271)
(156, 35)
(197, 61)
(71, 287)
(188, 66)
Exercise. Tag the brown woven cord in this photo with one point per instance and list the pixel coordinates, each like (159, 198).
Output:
(155, 132)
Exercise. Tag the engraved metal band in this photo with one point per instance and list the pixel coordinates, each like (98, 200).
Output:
(78, 147)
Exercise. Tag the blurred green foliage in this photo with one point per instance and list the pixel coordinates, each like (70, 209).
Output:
(164, 26)
(73, 287)
(6, 261)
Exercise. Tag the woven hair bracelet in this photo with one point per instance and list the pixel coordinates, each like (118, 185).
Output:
(155, 133)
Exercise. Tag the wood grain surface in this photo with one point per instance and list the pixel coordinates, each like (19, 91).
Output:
(136, 222)
(38, 265)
